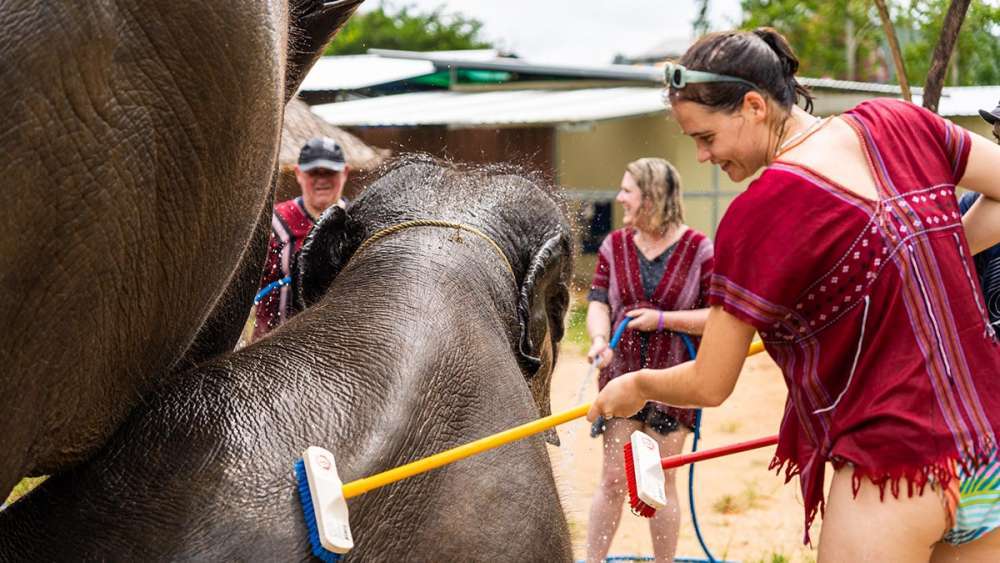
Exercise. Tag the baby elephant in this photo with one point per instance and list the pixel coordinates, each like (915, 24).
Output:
(435, 305)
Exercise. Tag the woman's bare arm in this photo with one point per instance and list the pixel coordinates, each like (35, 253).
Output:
(705, 382)
(598, 320)
(691, 321)
(599, 330)
(648, 320)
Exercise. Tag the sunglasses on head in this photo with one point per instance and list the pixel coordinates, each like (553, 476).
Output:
(678, 76)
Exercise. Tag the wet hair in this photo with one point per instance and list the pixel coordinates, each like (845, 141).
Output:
(660, 185)
(762, 57)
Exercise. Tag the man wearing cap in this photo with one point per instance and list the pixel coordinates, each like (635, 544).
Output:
(321, 173)
(988, 261)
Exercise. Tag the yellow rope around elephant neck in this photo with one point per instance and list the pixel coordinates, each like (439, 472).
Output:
(436, 223)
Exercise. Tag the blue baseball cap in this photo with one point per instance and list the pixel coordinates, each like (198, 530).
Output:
(322, 152)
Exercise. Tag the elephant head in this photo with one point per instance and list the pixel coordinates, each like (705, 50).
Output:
(435, 309)
(524, 218)
(139, 148)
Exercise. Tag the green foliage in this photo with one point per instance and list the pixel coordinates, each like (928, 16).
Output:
(388, 27)
(977, 53)
(822, 32)
(819, 31)
(576, 325)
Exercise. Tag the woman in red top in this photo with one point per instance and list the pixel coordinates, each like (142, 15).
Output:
(849, 256)
(655, 271)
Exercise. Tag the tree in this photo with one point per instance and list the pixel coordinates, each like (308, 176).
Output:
(943, 51)
(387, 27)
(897, 55)
(701, 24)
(832, 38)
(843, 39)
(976, 58)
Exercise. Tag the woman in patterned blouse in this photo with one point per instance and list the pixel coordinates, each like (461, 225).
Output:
(850, 258)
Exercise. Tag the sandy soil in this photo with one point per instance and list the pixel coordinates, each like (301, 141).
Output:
(744, 511)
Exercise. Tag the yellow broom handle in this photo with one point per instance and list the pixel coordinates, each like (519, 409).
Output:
(363, 485)
(355, 488)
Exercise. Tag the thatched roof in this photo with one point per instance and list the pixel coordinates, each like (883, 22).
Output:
(301, 124)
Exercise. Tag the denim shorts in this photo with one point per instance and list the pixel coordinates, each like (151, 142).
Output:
(650, 416)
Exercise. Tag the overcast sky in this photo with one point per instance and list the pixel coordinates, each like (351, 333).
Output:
(580, 31)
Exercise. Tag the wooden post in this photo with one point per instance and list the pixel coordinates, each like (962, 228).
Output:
(942, 52)
(850, 48)
(897, 57)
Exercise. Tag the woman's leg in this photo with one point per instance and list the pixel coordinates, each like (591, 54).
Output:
(606, 508)
(866, 528)
(665, 525)
(983, 550)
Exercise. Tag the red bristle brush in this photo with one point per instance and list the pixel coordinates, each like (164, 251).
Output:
(644, 468)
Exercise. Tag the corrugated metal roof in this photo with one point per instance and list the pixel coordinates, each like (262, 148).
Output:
(457, 59)
(464, 54)
(537, 107)
(383, 66)
(510, 107)
(352, 72)
(852, 86)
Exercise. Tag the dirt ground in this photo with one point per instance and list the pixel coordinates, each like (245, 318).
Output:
(744, 511)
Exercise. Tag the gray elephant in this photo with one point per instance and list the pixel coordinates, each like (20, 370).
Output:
(418, 337)
(137, 151)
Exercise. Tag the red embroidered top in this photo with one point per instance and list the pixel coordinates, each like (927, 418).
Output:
(684, 285)
(290, 224)
(872, 309)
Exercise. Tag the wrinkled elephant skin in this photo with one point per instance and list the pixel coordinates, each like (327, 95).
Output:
(138, 145)
(421, 342)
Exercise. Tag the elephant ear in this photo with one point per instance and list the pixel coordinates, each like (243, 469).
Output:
(543, 302)
(329, 246)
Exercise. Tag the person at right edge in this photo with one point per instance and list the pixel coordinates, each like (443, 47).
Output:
(988, 261)
(848, 255)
